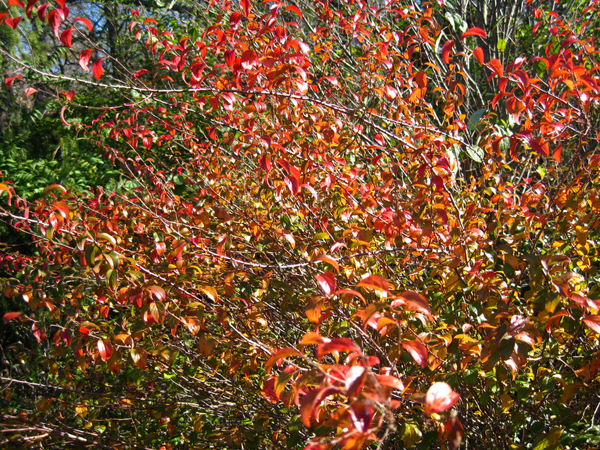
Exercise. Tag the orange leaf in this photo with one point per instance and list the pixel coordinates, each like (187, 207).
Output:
(474, 32)
(496, 66)
(390, 381)
(210, 292)
(158, 311)
(54, 187)
(375, 282)
(351, 292)
(9, 190)
(390, 92)
(478, 53)
(280, 354)
(329, 260)
(337, 345)
(313, 338)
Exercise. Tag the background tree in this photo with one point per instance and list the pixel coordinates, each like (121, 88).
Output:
(321, 242)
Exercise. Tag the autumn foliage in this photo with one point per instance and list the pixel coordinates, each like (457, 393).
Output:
(347, 225)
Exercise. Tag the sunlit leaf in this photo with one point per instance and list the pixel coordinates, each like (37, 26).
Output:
(439, 398)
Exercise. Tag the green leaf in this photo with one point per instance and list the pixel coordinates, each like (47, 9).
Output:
(473, 122)
(475, 153)
(410, 434)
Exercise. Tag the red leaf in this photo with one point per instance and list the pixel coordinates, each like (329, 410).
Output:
(55, 19)
(294, 9)
(66, 37)
(12, 22)
(30, 91)
(478, 53)
(292, 184)
(413, 301)
(249, 59)
(455, 432)
(140, 72)
(10, 316)
(327, 283)
(105, 350)
(41, 11)
(158, 293)
(446, 51)
(474, 32)
(62, 3)
(9, 80)
(311, 402)
(421, 79)
(97, 69)
(234, 20)
(593, 322)
(583, 301)
(374, 282)
(84, 59)
(337, 345)
(230, 57)
(496, 66)
(17, 3)
(29, 9)
(390, 92)
(417, 351)
(87, 22)
(246, 7)
(355, 379)
(390, 381)
(332, 80)
(62, 116)
(439, 398)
